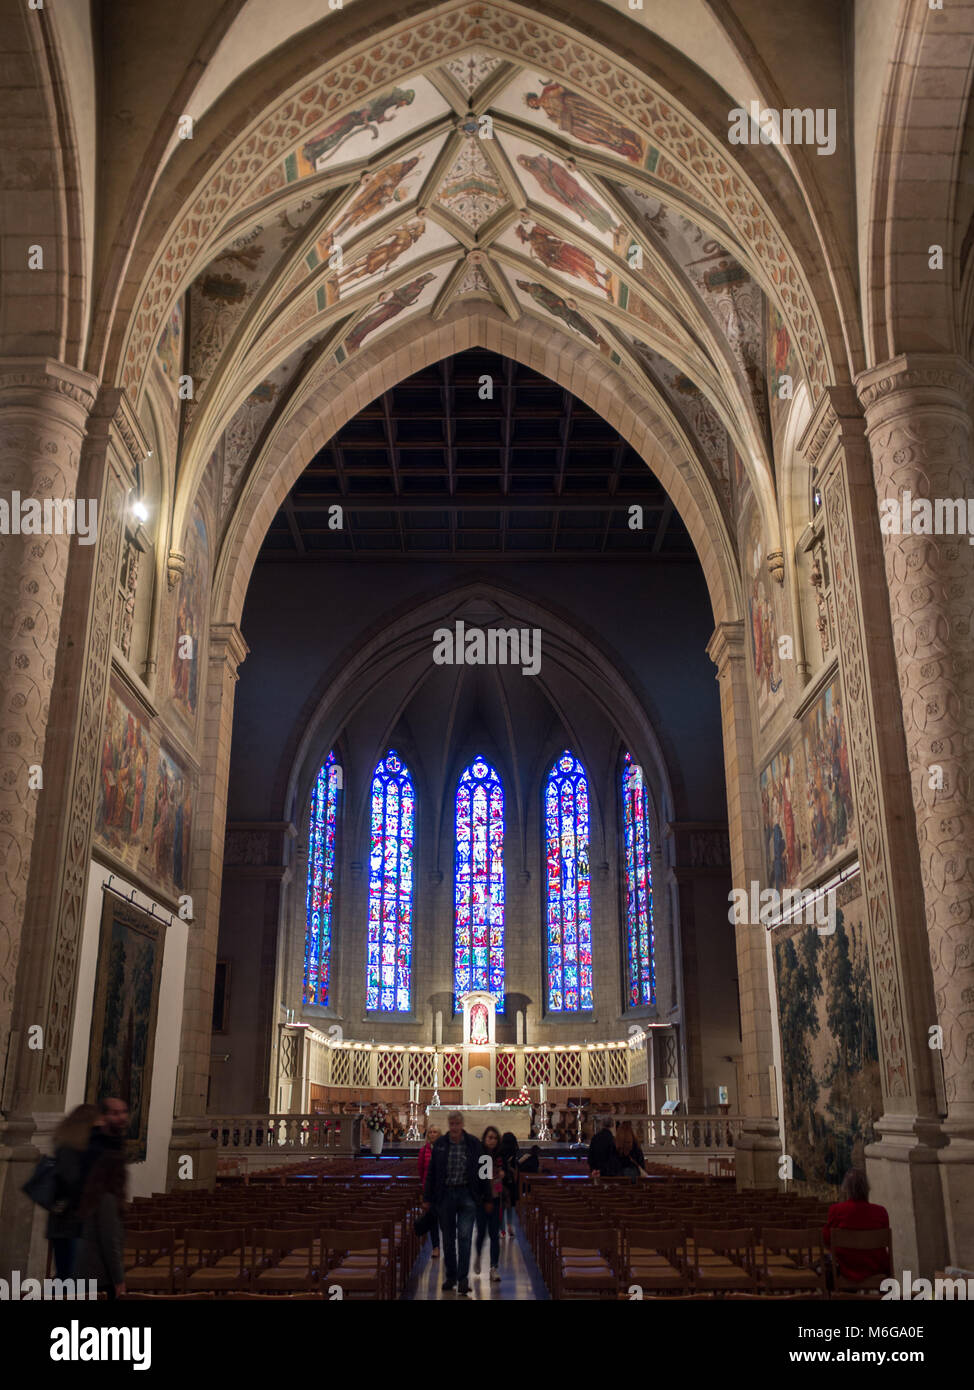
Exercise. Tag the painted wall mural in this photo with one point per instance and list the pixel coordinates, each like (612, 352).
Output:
(830, 1059)
(124, 776)
(172, 824)
(190, 620)
(831, 815)
(762, 620)
(782, 361)
(781, 811)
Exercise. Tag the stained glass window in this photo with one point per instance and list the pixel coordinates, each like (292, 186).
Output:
(478, 941)
(639, 886)
(569, 914)
(321, 881)
(390, 946)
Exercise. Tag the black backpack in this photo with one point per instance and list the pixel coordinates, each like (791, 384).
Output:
(41, 1186)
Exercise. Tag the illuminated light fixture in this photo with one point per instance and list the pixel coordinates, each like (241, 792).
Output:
(140, 510)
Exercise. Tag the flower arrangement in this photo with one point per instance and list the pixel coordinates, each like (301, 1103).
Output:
(376, 1118)
(522, 1098)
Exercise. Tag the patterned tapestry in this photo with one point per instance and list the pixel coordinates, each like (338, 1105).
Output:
(829, 1054)
(123, 1021)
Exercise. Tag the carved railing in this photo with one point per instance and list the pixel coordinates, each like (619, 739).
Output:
(684, 1133)
(247, 1135)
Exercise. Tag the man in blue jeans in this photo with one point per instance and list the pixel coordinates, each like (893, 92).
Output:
(455, 1186)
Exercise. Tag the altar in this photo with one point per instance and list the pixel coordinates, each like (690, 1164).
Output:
(513, 1119)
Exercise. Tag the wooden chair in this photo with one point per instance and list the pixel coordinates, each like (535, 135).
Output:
(153, 1267)
(585, 1264)
(215, 1261)
(283, 1261)
(792, 1259)
(840, 1239)
(723, 1260)
(656, 1259)
(353, 1259)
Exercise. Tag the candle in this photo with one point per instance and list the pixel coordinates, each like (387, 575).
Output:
(542, 1095)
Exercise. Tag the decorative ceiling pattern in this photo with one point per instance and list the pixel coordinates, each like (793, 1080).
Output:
(540, 189)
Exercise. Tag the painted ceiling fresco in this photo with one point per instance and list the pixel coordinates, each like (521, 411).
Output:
(478, 179)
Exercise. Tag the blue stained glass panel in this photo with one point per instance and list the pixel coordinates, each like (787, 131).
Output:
(478, 941)
(639, 886)
(568, 880)
(321, 881)
(389, 954)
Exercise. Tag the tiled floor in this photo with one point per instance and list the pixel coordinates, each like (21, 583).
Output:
(519, 1281)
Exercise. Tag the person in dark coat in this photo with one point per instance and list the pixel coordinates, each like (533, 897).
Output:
(629, 1155)
(510, 1160)
(455, 1188)
(603, 1159)
(72, 1161)
(103, 1228)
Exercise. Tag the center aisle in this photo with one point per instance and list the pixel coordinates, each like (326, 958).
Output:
(520, 1277)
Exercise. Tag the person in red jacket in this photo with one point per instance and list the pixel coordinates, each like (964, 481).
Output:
(432, 1134)
(857, 1213)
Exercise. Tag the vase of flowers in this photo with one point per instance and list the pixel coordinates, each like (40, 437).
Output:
(522, 1098)
(376, 1124)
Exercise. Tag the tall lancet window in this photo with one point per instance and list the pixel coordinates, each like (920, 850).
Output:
(569, 916)
(639, 886)
(478, 941)
(321, 881)
(390, 949)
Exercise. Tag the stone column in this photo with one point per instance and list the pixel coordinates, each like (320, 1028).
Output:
(919, 426)
(190, 1134)
(44, 406)
(902, 1165)
(759, 1146)
(47, 974)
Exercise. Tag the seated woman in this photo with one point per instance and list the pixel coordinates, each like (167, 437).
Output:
(855, 1212)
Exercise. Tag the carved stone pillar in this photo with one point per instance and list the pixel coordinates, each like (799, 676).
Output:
(190, 1135)
(919, 426)
(47, 975)
(44, 406)
(902, 1166)
(759, 1146)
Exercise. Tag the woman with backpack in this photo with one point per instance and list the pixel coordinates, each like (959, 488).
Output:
(72, 1159)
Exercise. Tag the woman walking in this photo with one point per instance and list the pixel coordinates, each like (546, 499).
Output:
(432, 1134)
(511, 1161)
(103, 1228)
(71, 1163)
(488, 1222)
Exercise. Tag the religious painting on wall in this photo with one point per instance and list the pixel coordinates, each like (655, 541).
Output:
(829, 1054)
(189, 628)
(782, 829)
(123, 778)
(783, 362)
(167, 856)
(831, 814)
(123, 1021)
(762, 622)
(539, 98)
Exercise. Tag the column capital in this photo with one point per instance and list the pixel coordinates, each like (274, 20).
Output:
(726, 644)
(913, 380)
(32, 382)
(227, 645)
(837, 417)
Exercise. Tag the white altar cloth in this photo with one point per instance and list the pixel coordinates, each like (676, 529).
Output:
(515, 1119)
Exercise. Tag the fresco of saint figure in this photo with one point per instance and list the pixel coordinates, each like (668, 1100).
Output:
(577, 116)
(563, 309)
(378, 112)
(561, 255)
(388, 308)
(559, 184)
(380, 257)
(377, 194)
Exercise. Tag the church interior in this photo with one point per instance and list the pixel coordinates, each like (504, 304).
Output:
(455, 655)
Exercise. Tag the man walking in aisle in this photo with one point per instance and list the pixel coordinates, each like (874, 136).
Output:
(455, 1187)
